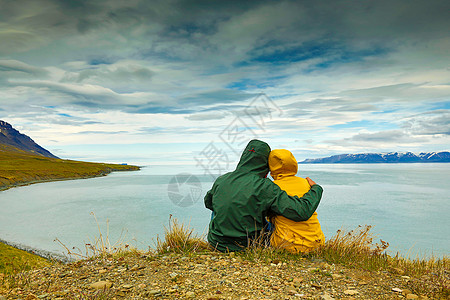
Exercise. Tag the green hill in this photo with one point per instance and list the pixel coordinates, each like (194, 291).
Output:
(18, 167)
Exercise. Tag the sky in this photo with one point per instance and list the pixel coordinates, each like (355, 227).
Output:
(191, 82)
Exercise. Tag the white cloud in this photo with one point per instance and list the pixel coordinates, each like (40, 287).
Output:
(371, 77)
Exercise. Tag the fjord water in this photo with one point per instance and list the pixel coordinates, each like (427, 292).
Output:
(407, 204)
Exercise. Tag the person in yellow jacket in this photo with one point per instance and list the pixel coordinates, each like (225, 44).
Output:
(293, 236)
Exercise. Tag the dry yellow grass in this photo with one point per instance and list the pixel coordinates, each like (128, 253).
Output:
(179, 238)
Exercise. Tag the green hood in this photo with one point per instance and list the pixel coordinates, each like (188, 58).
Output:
(254, 159)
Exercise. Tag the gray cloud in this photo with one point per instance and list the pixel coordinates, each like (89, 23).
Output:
(101, 132)
(387, 139)
(415, 129)
(206, 116)
(216, 97)
(358, 64)
(17, 68)
(382, 136)
(429, 123)
(121, 78)
(172, 130)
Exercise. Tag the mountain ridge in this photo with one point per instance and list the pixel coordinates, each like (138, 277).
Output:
(390, 157)
(12, 137)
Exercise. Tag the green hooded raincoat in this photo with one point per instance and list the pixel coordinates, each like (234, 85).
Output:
(243, 198)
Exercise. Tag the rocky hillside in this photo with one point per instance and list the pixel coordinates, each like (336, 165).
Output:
(211, 275)
(11, 137)
(392, 157)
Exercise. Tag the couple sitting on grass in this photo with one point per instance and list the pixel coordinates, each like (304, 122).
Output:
(242, 201)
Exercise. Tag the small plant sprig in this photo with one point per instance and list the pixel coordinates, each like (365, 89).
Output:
(99, 246)
(180, 239)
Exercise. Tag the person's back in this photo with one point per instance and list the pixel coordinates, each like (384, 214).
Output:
(294, 236)
(240, 201)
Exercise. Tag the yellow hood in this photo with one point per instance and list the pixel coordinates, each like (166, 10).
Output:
(282, 163)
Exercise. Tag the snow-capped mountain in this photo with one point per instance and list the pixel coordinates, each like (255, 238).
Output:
(391, 157)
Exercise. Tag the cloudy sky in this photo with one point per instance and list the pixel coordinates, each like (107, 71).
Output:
(192, 81)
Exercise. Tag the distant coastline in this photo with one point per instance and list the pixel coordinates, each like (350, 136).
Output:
(26, 183)
(376, 158)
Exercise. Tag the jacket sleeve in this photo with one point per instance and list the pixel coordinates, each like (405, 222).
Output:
(293, 207)
(208, 200)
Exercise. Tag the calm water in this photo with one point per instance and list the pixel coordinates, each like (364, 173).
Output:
(408, 205)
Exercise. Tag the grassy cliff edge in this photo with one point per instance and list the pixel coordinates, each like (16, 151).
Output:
(19, 168)
(183, 267)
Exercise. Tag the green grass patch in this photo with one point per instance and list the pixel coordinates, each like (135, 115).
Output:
(14, 261)
(19, 167)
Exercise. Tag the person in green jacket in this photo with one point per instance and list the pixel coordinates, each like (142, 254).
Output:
(241, 200)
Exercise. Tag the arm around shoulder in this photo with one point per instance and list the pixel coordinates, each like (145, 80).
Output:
(294, 207)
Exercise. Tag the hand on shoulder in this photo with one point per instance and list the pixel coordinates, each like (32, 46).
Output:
(310, 181)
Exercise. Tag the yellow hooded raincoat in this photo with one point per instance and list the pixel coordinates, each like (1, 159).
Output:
(293, 236)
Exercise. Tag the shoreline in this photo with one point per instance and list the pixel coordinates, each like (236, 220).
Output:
(45, 253)
(38, 252)
(26, 183)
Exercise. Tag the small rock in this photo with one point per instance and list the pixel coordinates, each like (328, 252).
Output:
(101, 285)
(336, 276)
(142, 286)
(136, 268)
(121, 293)
(155, 292)
(190, 294)
(351, 292)
(297, 281)
(324, 265)
(291, 291)
(406, 277)
(412, 296)
(326, 297)
(397, 290)
(406, 292)
(127, 286)
(317, 286)
(362, 283)
(102, 271)
(31, 297)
